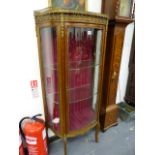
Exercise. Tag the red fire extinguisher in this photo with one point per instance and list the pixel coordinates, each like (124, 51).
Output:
(21, 146)
(34, 132)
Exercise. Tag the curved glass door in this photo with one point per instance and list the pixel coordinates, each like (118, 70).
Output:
(84, 51)
(49, 56)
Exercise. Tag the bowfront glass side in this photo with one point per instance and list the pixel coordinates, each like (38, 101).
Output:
(48, 38)
(83, 60)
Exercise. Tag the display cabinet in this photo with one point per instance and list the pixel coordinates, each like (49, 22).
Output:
(71, 55)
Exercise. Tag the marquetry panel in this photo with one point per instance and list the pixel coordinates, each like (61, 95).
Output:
(117, 51)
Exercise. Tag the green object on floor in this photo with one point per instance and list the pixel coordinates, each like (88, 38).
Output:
(126, 112)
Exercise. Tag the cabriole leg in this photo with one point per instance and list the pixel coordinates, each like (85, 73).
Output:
(65, 145)
(97, 133)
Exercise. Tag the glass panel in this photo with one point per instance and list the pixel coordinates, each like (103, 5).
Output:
(49, 53)
(84, 51)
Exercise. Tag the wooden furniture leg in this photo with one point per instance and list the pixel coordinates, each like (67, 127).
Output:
(65, 145)
(97, 132)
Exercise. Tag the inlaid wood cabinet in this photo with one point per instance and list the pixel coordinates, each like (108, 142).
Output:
(115, 39)
(72, 57)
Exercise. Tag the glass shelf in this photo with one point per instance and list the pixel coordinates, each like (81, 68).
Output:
(82, 67)
(76, 65)
(82, 63)
(80, 94)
